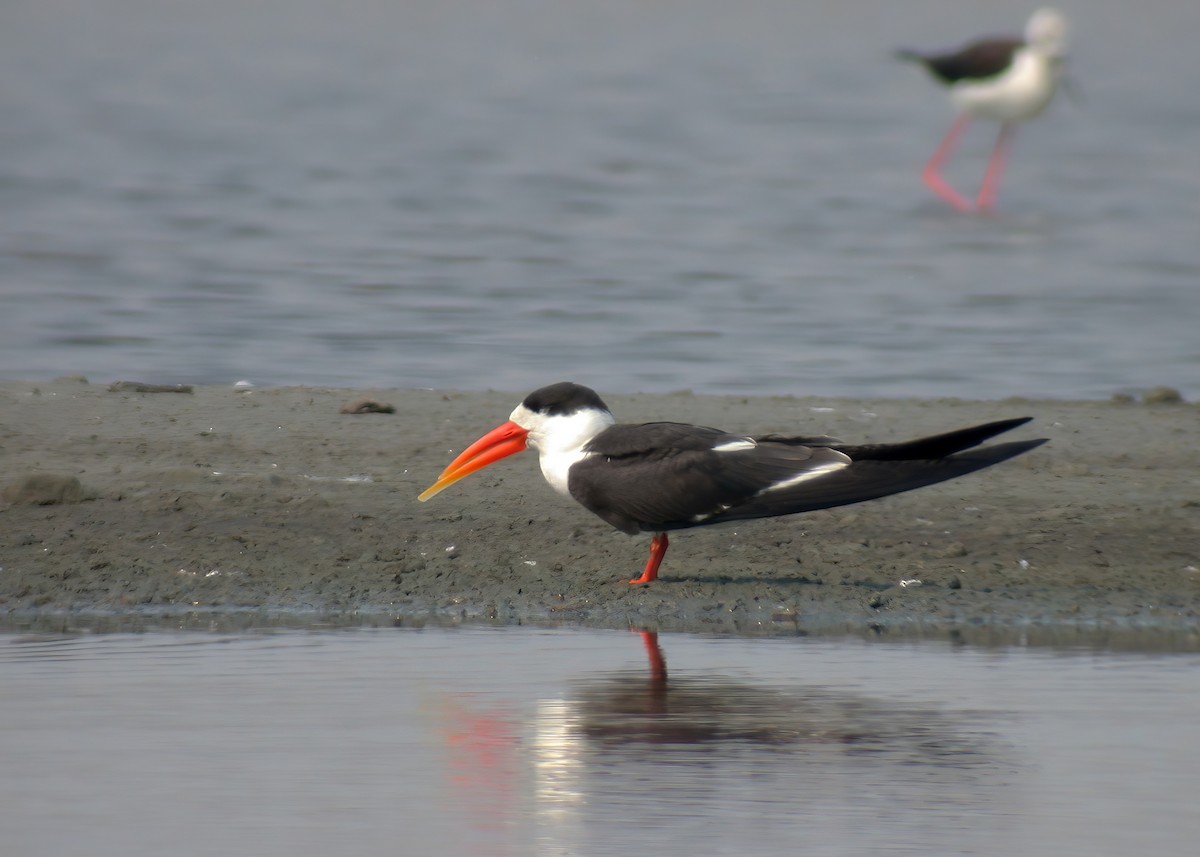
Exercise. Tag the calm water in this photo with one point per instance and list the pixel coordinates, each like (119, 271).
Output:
(641, 196)
(524, 742)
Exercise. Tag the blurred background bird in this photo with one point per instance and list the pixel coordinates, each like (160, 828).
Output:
(1008, 80)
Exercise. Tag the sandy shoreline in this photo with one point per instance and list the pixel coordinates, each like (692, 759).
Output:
(272, 505)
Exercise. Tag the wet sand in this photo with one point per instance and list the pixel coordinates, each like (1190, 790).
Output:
(203, 506)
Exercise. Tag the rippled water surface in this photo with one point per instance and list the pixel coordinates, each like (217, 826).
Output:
(641, 196)
(520, 742)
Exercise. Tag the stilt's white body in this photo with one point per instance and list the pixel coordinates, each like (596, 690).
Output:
(1020, 93)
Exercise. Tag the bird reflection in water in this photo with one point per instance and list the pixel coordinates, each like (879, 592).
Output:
(631, 708)
(617, 743)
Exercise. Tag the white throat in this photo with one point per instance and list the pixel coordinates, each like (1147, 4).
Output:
(559, 440)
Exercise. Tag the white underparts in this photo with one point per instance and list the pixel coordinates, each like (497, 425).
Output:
(556, 467)
(1019, 93)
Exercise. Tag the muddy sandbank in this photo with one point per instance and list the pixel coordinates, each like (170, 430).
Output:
(270, 503)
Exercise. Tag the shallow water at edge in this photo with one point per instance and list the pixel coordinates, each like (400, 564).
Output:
(518, 741)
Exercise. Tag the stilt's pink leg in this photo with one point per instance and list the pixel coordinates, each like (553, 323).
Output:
(986, 200)
(658, 549)
(932, 174)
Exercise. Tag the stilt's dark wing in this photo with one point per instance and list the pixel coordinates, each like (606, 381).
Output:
(977, 61)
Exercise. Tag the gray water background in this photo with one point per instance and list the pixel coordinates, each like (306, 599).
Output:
(642, 196)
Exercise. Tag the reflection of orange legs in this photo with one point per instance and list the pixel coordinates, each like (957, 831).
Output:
(991, 179)
(932, 175)
(658, 663)
(658, 549)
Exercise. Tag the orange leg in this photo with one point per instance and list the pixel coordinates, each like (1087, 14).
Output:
(991, 179)
(658, 549)
(932, 175)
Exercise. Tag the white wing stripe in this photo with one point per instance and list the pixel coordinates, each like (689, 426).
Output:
(739, 445)
(816, 472)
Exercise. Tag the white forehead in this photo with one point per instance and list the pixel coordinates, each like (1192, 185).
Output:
(558, 432)
(526, 418)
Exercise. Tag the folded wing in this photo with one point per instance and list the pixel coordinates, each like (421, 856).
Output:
(668, 476)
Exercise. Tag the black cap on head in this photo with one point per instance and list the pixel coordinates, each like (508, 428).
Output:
(562, 399)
